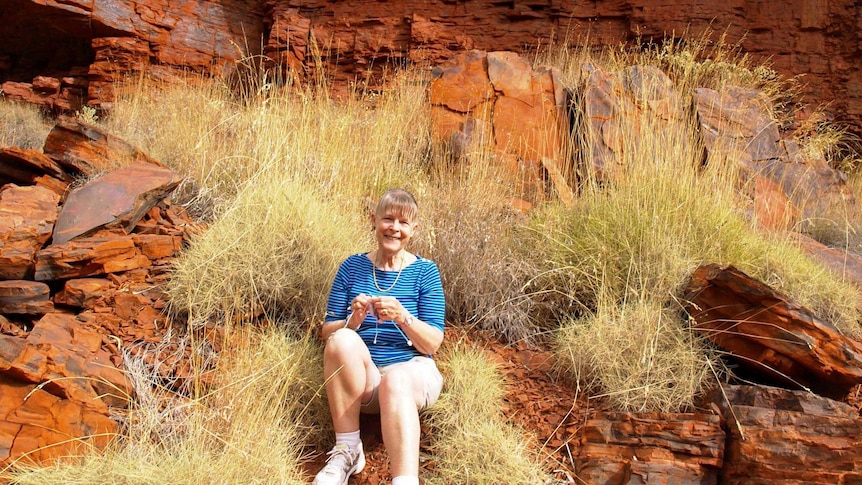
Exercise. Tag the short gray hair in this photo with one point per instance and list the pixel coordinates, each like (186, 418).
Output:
(401, 201)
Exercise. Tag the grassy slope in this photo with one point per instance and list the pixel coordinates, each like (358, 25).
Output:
(286, 181)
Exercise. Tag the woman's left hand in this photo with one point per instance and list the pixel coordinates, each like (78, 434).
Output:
(389, 308)
(425, 338)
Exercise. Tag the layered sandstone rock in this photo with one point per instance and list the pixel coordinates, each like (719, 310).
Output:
(63, 54)
(771, 336)
(30, 167)
(496, 102)
(776, 436)
(658, 448)
(82, 283)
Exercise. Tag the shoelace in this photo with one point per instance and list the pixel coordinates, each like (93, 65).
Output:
(338, 459)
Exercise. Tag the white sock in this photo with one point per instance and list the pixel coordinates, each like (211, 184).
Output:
(350, 439)
(405, 480)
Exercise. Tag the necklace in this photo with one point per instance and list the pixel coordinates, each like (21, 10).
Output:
(374, 276)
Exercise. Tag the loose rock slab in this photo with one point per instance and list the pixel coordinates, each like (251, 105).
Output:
(118, 199)
(25, 297)
(27, 216)
(89, 257)
(30, 167)
(775, 337)
(83, 292)
(81, 148)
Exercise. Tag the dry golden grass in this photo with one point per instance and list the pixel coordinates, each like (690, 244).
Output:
(250, 428)
(23, 126)
(346, 150)
(639, 356)
(473, 442)
(275, 250)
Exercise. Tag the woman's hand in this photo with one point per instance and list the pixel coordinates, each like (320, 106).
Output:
(359, 309)
(423, 337)
(389, 308)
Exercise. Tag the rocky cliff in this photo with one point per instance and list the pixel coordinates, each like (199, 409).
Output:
(65, 53)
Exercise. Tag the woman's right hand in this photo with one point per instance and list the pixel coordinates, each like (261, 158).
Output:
(359, 309)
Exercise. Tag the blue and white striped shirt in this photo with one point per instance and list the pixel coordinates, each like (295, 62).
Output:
(418, 289)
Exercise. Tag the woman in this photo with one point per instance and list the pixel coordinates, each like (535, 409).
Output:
(383, 323)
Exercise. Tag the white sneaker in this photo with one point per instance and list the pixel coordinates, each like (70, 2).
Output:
(340, 465)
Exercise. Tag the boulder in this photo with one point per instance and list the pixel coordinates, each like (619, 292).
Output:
(614, 103)
(30, 167)
(737, 120)
(89, 256)
(771, 336)
(25, 297)
(778, 436)
(117, 199)
(27, 217)
(83, 292)
(461, 84)
(656, 448)
(83, 149)
(497, 101)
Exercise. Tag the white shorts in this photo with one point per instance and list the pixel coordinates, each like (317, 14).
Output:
(422, 366)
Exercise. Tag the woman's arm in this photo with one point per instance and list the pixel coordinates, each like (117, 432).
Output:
(359, 308)
(425, 338)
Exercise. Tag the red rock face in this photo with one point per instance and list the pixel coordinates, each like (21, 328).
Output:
(61, 54)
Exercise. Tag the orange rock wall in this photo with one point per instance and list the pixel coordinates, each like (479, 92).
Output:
(57, 39)
(819, 40)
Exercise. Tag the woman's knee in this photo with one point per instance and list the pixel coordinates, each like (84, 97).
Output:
(343, 343)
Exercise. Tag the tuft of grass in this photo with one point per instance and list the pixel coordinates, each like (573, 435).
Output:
(347, 150)
(473, 239)
(22, 125)
(249, 428)
(639, 356)
(473, 442)
(275, 250)
(638, 237)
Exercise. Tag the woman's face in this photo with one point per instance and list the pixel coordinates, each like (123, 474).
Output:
(393, 231)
